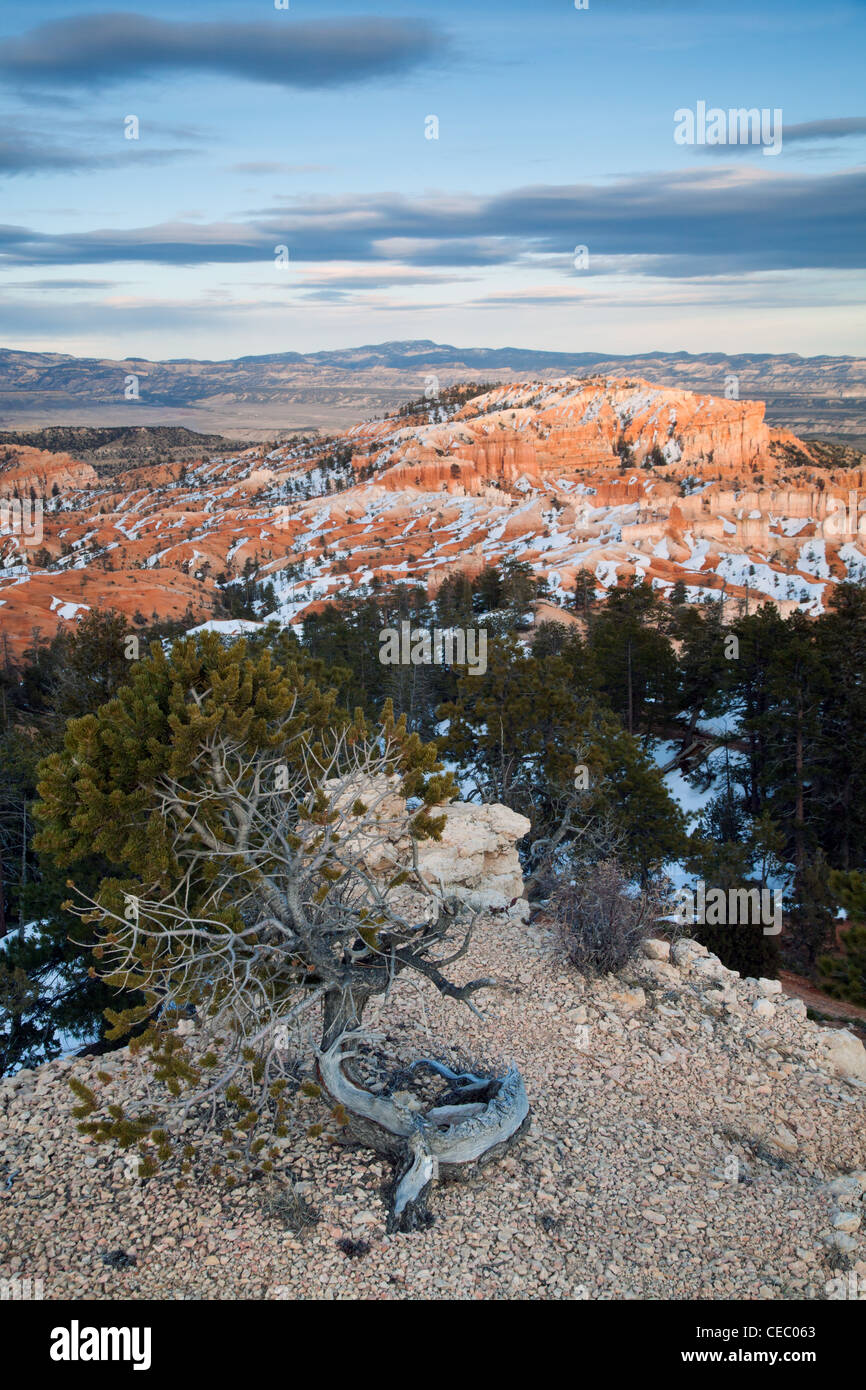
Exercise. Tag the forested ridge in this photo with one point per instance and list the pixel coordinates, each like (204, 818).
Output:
(759, 716)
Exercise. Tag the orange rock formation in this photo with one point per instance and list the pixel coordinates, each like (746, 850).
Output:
(617, 477)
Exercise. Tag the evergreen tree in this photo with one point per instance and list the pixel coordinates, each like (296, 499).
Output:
(836, 751)
(844, 975)
(520, 733)
(583, 599)
(811, 915)
(634, 659)
(703, 667)
(156, 726)
(454, 600)
(488, 590)
(760, 637)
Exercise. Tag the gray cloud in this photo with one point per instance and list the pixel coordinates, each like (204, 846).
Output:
(29, 159)
(64, 284)
(20, 157)
(272, 166)
(27, 154)
(90, 50)
(692, 223)
(349, 289)
(836, 129)
(804, 132)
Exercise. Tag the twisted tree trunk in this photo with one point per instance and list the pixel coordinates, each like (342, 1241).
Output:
(446, 1142)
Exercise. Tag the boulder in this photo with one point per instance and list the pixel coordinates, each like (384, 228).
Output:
(785, 1140)
(768, 988)
(655, 949)
(684, 951)
(846, 1053)
(710, 968)
(476, 859)
(796, 1008)
(848, 1221)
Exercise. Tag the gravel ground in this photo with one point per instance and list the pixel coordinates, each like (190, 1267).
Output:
(682, 1145)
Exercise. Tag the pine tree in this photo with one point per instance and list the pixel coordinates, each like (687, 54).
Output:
(519, 732)
(454, 600)
(235, 803)
(844, 975)
(837, 753)
(702, 665)
(634, 659)
(488, 589)
(583, 599)
(811, 916)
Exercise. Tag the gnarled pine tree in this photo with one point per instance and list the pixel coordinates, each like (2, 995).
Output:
(268, 875)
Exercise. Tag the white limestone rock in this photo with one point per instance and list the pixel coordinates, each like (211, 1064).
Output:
(767, 988)
(845, 1052)
(684, 952)
(476, 859)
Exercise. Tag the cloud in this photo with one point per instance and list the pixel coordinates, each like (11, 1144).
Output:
(66, 284)
(348, 288)
(271, 166)
(17, 159)
(778, 290)
(20, 157)
(90, 50)
(694, 222)
(839, 128)
(32, 151)
(805, 132)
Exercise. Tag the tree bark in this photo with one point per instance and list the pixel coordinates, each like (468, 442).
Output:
(446, 1142)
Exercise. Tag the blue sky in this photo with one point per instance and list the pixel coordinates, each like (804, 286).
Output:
(305, 128)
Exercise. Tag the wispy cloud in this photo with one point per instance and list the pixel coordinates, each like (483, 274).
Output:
(272, 166)
(824, 133)
(839, 128)
(20, 157)
(63, 284)
(90, 50)
(678, 224)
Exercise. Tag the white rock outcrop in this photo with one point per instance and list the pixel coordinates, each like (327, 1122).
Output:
(846, 1053)
(475, 860)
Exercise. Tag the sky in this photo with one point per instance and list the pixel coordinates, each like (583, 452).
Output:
(485, 173)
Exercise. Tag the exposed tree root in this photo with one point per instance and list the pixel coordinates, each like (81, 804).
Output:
(451, 1141)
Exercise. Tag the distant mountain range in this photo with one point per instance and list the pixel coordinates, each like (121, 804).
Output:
(256, 396)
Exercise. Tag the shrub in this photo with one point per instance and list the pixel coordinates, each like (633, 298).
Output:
(603, 917)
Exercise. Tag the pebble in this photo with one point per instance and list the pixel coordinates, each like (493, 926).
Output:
(619, 1190)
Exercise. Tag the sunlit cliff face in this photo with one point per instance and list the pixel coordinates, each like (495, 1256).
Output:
(610, 476)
